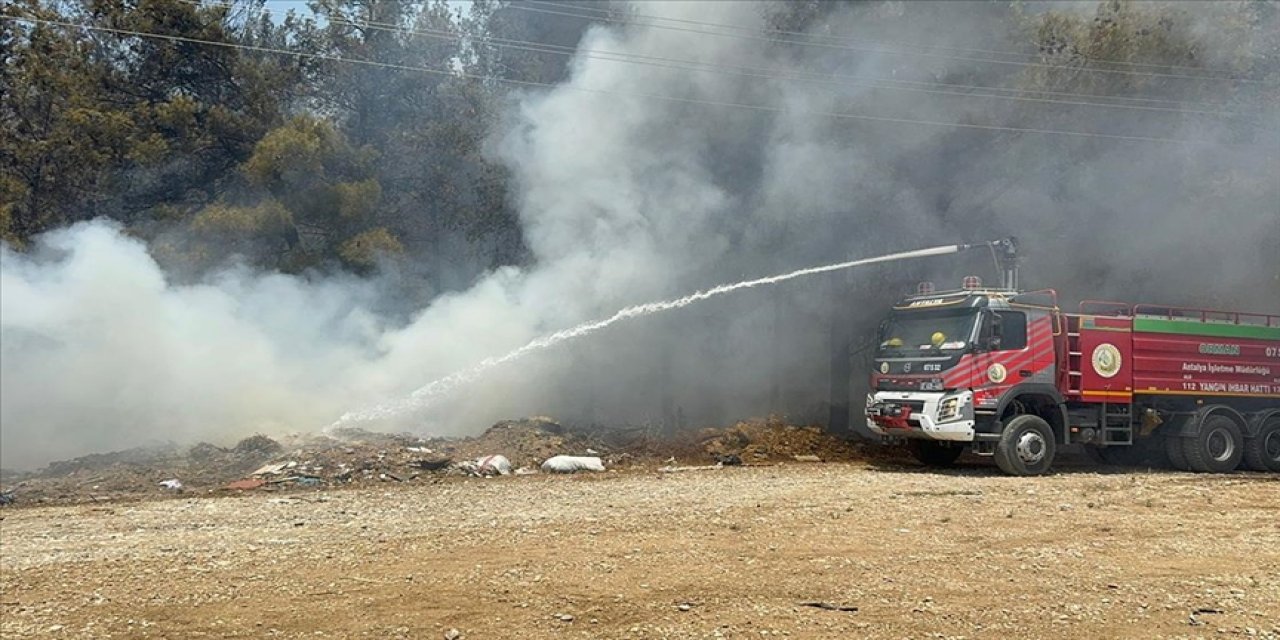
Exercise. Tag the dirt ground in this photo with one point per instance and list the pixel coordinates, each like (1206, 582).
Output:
(734, 552)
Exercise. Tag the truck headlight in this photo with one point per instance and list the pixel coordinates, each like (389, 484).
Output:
(949, 409)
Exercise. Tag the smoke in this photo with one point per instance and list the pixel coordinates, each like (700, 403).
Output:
(626, 198)
(100, 351)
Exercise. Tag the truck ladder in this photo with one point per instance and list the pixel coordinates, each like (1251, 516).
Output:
(1075, 376)
(1117, 424)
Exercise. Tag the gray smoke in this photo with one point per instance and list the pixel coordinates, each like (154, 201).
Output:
(626, 199)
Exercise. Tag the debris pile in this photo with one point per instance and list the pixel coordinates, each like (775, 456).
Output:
(526, 443)
(140, 472)
(355, 456)
(772, 440)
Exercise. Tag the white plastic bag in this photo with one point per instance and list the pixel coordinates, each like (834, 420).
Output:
(570, 464)
(493, 466)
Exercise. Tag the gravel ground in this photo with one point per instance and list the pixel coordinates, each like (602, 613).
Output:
(734, 552)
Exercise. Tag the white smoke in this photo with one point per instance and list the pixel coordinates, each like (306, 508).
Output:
(626, 199)
(99, 351)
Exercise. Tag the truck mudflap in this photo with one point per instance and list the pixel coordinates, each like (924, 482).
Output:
(930, 416)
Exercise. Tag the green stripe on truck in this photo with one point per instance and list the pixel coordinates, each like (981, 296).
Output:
(1195, 328)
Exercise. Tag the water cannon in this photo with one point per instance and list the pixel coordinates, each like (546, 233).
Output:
(1006, 251)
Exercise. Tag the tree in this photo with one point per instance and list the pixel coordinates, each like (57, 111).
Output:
(101, 122)
(307, 196)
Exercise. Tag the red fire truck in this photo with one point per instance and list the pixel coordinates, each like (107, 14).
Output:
(1006, 373)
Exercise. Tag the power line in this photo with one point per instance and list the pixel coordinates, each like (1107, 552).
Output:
(847, 47)
(569, 87)
(836, 80)
(583, 7)
(803, 75)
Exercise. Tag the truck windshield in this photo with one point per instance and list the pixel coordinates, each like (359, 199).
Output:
(914, 332)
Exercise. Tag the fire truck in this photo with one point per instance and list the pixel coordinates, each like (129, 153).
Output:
(1007, 373)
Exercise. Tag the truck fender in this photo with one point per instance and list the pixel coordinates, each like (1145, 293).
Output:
(1191, 426)
(1039, 389)
(1258, 420)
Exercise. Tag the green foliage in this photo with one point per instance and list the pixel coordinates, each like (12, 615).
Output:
(1152, 33)
(108, 124)
(364, 249)
(289, 162)
(298, 152)
(266, 217)
(12, 192)
(358, 200)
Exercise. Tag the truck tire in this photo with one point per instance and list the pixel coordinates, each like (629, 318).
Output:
(1262, 452)
(1173, 449)
(1026, 446)
(935, 454)
(1217, 448)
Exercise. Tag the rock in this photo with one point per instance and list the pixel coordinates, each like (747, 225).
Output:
(452, 634)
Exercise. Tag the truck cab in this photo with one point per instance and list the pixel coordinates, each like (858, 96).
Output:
(953, 369)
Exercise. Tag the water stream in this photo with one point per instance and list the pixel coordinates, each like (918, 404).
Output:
(432, 391)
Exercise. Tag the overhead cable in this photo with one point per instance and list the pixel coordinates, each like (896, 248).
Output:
(622, 94)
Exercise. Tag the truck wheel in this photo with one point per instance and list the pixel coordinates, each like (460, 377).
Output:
(1262, 452)
(1173, 449)
(935, 454)
(1026, 447)
(1217, 448)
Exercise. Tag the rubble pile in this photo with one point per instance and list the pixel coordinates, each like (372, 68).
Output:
(772, 439)
(767, 440)
(138, 472)
(355, 456)
(526, 443)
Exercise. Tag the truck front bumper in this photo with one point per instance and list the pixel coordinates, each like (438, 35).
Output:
(904, 414)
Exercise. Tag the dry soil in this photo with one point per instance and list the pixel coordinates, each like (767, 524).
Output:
(735, 552)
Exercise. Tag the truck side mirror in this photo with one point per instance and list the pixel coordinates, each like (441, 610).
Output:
(997, 332)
